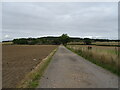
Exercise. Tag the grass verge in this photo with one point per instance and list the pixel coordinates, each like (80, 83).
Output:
(31, 80)
(109, 67)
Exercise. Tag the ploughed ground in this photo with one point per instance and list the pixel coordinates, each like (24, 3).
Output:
(18, 60)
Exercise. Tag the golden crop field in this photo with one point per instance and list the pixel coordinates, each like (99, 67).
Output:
(7, 43)
(95, 43)
(105, 43)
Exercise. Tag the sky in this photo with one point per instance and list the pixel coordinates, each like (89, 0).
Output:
(77, 19)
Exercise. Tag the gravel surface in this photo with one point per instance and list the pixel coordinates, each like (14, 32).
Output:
(68, 70)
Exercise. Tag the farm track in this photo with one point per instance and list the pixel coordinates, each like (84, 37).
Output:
(68, 70)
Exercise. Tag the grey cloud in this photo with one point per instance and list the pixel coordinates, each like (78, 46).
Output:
(76, 19)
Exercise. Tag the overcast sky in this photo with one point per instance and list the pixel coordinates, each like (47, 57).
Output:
(93, 20)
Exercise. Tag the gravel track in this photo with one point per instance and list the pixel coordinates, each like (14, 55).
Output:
(68, 70)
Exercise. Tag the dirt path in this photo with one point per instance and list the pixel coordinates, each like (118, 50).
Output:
(68, 70)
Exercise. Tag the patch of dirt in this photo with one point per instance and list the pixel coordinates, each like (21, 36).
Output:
(18, 60)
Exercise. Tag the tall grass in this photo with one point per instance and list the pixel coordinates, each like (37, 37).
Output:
(107, 57)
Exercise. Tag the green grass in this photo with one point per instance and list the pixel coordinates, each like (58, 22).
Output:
(38, 75)
(35, 82)
(33, 79)
(111, 67)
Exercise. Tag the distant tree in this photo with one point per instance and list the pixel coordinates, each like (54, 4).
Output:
(20, 41)
(87, 41)
(64, 39)
(44, 41)
(56, 41)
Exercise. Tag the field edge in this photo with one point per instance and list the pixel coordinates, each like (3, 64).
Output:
(105, 66)
(31, 80)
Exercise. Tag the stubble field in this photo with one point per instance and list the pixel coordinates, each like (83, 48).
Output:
(18, 60)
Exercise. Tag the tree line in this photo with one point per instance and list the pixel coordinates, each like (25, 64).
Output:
(63, 39)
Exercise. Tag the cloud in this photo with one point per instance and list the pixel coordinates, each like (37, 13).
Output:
(76, 19)
(7, 36)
